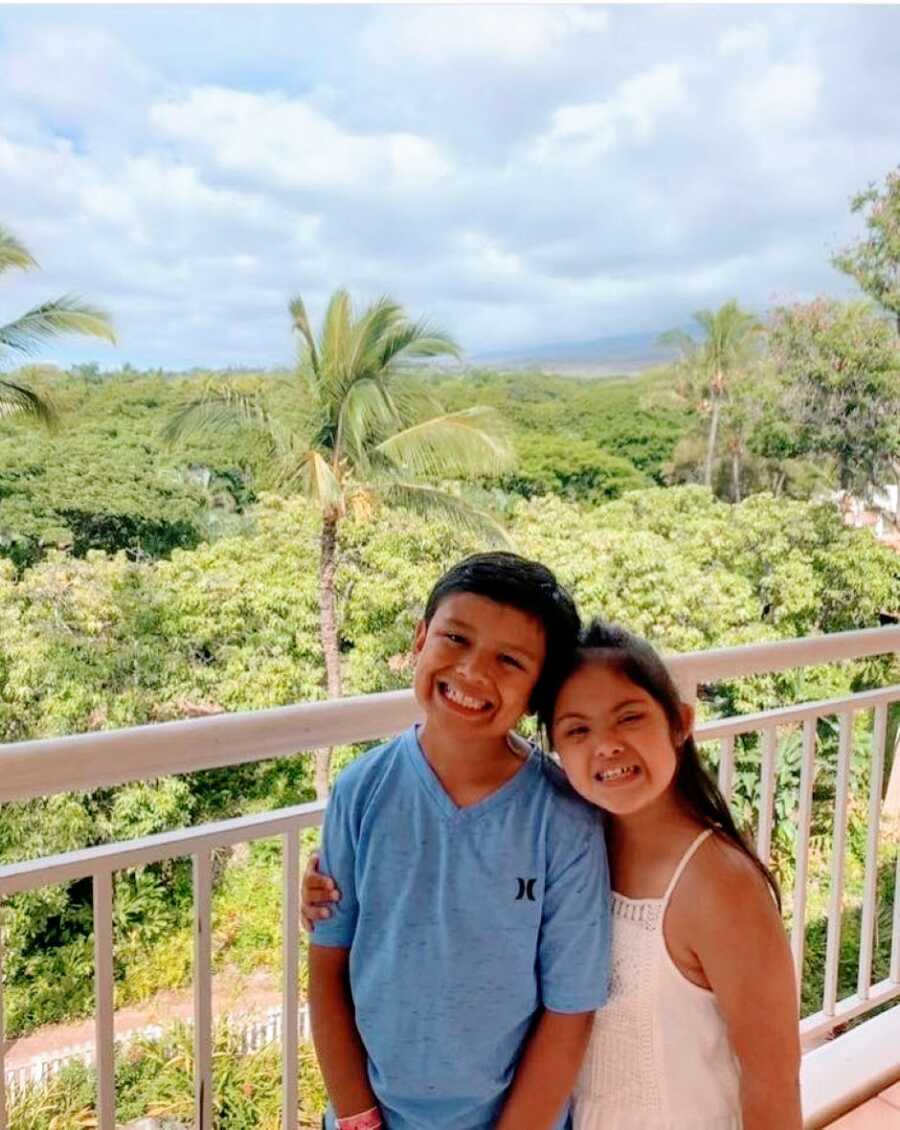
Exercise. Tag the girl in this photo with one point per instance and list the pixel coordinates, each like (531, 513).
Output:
(700, 1032)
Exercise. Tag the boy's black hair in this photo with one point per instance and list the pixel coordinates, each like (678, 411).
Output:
(636, 659)
(529, 586)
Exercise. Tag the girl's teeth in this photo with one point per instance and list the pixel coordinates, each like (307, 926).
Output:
(615, 774)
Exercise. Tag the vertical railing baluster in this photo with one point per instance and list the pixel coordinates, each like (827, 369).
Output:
(801, 863)
(726, 766)
(203, 1098)
(3, 1113)
(870, 896)
(894, 972)
(290, 940)
(104, 986)
(839, 839)
(766, 793)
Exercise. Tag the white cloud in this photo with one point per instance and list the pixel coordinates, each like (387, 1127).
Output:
(631, 116)
(651, 97)
(76, 76)
(286, 142)
(746, 38)
(786, 93)
(443, 35)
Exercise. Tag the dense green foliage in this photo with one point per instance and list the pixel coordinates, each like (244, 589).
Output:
(108, 482)
(874, 261)
(622, 417)
(111, 483)
(154, 1077)
(839, 370)
(809, 403)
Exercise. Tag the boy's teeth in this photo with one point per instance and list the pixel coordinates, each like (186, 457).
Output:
(464, 700)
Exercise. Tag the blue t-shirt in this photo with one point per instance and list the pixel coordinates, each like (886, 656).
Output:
(461, 923)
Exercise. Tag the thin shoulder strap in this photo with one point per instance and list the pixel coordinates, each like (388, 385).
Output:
(685, 860)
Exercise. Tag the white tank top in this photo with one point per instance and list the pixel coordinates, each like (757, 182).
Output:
(659, 1056)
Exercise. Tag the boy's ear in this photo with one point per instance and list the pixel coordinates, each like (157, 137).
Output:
(419, 637)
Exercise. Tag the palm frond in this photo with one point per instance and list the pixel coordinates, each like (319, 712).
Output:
(317, 480)
(13, 253)
(367, 411)
(336, 341)
(468, 442)
(431, 502)
(370, 331)
(218, 409)
(731, 334)
(417, 339)
(300, 320)
(17, 399)
(66, 315)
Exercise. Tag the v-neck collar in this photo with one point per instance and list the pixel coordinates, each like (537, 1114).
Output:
(447, 805)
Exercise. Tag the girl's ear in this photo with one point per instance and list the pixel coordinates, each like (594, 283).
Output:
(687, 720)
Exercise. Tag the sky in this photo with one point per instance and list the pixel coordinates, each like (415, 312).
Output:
(517, 175)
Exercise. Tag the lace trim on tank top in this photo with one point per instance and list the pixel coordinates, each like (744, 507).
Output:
(643, 912)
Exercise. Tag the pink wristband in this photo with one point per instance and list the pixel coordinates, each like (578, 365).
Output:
(368, 1120)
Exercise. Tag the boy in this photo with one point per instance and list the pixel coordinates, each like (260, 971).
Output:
(454, 985)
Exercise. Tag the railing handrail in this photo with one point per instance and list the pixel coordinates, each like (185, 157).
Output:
(102, 758)
(66, 867)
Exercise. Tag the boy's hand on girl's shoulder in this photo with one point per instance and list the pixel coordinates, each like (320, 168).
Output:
(316, 892)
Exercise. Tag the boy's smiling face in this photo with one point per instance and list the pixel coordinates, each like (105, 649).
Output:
(477, 662)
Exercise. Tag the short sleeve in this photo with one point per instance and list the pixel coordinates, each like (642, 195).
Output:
(338, 859)
(573, 955)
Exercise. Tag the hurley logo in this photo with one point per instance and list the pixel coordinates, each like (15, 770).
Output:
(526, 889)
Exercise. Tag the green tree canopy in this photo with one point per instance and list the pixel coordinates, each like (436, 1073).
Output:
(840, 370)
(874, 261)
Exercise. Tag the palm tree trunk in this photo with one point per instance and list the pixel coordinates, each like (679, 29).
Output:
(711, 443)
(735, 476)
(328, 632)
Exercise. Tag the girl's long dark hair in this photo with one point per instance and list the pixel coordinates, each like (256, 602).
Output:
(635, 659)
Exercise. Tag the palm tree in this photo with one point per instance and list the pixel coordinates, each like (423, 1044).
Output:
(367, 439)
(731, 338)
(66, 315)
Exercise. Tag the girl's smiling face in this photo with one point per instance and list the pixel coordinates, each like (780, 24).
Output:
(614, 739)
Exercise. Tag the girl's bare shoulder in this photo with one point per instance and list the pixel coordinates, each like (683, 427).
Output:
(721, 881)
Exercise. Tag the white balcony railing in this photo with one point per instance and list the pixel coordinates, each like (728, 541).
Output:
(89, 761)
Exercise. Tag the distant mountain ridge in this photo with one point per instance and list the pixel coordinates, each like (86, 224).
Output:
(622, 353)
